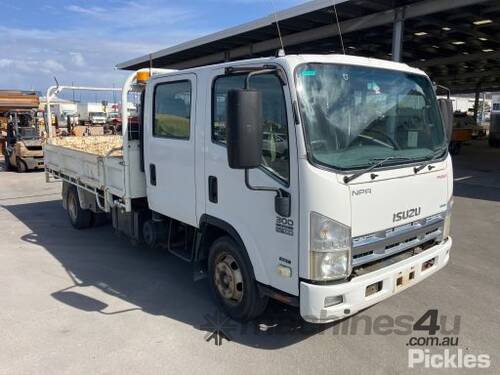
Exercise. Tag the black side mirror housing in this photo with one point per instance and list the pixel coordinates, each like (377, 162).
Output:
(446, 108)
(244, 128)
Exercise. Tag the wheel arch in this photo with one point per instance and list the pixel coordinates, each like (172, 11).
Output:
(210, 229)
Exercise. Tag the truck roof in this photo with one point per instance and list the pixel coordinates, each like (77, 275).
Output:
(294, 60)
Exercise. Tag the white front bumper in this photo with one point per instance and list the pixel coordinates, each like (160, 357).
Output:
(312, 297)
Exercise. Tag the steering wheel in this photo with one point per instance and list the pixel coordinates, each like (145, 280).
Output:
(393, 143)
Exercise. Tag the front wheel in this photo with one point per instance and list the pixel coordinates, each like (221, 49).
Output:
(21, 166)
(232, 281)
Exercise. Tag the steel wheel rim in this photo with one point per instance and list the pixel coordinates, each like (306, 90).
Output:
(228, 278)
(72, 207)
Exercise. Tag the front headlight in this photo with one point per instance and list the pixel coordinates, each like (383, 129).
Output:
(330, 249)
(447, 220)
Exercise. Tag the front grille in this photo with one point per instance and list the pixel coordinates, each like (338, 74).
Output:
(34, 148)
(393, 259)
(379, 245)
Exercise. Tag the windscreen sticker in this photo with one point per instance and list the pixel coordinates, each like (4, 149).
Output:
(308, 73)
(412, 139)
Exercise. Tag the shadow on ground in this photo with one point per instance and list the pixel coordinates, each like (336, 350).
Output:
(152, 280)
(476, 192)
(477, 172)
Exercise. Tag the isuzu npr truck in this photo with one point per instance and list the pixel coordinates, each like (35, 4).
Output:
(322, 181)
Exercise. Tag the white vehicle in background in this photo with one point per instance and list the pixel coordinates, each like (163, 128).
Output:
(356, 210)
(91, 114)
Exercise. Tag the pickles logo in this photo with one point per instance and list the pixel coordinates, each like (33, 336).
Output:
(403, 215)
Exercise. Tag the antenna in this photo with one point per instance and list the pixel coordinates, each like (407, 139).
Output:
(278, 28)
(338, 25)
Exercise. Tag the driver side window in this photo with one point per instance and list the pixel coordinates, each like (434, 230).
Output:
(275, 145)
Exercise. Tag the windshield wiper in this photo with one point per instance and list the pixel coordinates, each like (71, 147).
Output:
(432, 157)
(377, 163)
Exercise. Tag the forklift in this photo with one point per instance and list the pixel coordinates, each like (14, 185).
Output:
(23, 148)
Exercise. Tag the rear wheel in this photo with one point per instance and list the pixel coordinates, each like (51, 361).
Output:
(150, 233)
(232, 281)
(78, 217)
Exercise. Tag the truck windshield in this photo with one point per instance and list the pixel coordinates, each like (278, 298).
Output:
(353, 115)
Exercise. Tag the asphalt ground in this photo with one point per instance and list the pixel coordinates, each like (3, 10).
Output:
(90, 302)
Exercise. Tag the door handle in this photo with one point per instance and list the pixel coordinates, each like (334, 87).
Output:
(152, 174)
(213, 189)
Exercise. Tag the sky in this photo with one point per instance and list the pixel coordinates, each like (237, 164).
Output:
(80, 42)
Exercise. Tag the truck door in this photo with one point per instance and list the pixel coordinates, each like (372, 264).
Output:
(270, 240)
(169, 146)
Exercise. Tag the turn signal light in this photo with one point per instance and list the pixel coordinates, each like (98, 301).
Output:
(143, 77)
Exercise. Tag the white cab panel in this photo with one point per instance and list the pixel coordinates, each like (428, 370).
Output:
(170, 161)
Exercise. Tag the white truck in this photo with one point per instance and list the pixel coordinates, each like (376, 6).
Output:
(91, 113)
(355, 210)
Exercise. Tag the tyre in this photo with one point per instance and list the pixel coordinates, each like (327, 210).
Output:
(78, 217)
(150, 233)
(232, 281)
(21, 166)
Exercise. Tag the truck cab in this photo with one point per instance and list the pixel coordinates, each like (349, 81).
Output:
(323, 120)
(322, 181)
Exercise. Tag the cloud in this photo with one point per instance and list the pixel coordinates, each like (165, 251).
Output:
(77, 59)
(84, 56)
(134, 14)
(52, 66)
(81, 41)
(5, 63)
(93, 11)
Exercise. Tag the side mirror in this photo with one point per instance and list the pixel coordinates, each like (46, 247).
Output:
(446, 108)
(244, 128)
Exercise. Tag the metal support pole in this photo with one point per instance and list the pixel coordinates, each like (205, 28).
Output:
(397, 34)
(476, 104)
